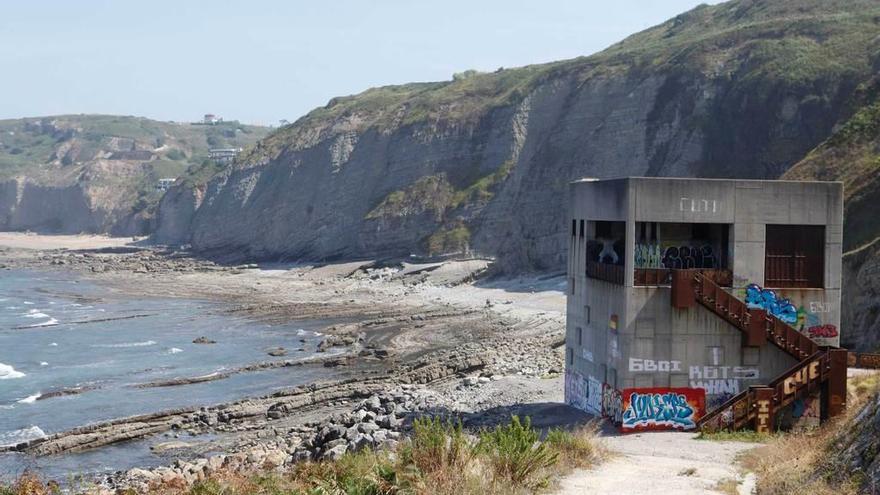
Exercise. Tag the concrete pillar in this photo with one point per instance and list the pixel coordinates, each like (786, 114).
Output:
(764, 422)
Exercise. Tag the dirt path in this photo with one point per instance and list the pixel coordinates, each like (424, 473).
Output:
(662, 462)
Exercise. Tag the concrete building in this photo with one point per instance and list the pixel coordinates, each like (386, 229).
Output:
(224, 156)
(676, 285)
(165, 183)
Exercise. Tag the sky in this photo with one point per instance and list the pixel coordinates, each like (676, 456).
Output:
(261, 61)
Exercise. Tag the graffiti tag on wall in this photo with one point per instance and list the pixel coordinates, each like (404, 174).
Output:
(637, 365)
(575, 390)
(612, 404)
(768, 300)
(675, 257)
(807, 321)
(594, 396)
(720, 380)
(698, 205)
(662, 408)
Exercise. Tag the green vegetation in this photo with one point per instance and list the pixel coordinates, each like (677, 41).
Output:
(449, 239)
(439, 458)
(737, 436)
(431, 193)
(763, 43)
(36, 147)
(852, 155)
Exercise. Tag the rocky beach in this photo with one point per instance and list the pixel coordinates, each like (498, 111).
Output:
(408, 337)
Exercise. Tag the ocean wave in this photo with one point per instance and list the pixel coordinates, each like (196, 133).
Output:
(6, 406)
(126, 344)
(35, 313)
(28, 303)
(51, 322)
(53, 344)
(44, 363)
(8, 372)
(15, 437)
(174, 350)
(30, 399)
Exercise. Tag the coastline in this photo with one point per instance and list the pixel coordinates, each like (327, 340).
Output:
(426, 332)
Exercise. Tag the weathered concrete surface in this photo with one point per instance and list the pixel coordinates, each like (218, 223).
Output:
(662, 462)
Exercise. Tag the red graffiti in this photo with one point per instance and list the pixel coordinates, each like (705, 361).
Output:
(822, 331)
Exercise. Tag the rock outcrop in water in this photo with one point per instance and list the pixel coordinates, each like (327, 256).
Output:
(742, 89)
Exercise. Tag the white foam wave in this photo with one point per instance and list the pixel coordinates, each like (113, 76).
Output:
(35, 313)
(44, 363)
(174, 350)
(15, 437)
(6, 406)
(126, 344)
(28, 303)
(30, 399)
(51, 322)
(53, 344)
(8, 372)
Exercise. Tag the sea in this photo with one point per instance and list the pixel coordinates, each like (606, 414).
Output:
(59, 333)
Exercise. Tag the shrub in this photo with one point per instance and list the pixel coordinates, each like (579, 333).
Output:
(577, 449)
(437, 445)
(514, 453)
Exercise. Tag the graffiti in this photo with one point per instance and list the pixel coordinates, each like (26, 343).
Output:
(820, 307)
(822, 331)
(763, 416)
(720, 380)
(675, 257)
(586, 354)
(801, 377)
(766, 299)
(649, 365)
(607, 255)
(612, 322)
(716, 400)
(806, 412)
(594, 396)
(698, 205)
(613, 347)
(575, 390)
(612, 404)
(662, 408)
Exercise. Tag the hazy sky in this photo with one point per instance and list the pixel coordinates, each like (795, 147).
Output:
(261, 61)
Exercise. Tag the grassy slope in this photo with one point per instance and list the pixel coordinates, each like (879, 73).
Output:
(793, 41)
(73, 149)
(852, 155)
(28, 149)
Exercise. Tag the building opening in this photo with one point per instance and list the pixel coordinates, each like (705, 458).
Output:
(795, 256)
(606, 251)
(662, 247)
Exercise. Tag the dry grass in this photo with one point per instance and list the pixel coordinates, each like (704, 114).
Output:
(799, 462)
(439, 458)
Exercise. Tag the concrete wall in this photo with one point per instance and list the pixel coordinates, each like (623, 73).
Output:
(655, 345)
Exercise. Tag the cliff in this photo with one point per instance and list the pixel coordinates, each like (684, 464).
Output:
(480, 163)
(98, 173)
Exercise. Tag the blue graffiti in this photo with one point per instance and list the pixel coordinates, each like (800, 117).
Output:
(766, 299)
(659, 409)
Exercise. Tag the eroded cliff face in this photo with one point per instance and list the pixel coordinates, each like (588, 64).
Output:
(497, 184)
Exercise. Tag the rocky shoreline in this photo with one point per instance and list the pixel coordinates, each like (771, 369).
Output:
(412, 339)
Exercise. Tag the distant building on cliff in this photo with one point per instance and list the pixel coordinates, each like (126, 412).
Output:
(165, 183)
(224, 156)
(705, 303)
(211, 119)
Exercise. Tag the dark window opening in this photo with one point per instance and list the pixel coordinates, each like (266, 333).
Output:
(664, 246)
(795, 256)
(606, 251)
(580, 336)
(573, 227)
(582, 228)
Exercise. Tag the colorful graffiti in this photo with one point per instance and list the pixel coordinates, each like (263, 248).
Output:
(662, 408)
(768, 300)
(675, 257)
(612, 404)
(807, 321)
(594, 396)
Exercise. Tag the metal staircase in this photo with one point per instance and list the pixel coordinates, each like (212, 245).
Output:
(819, 369)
